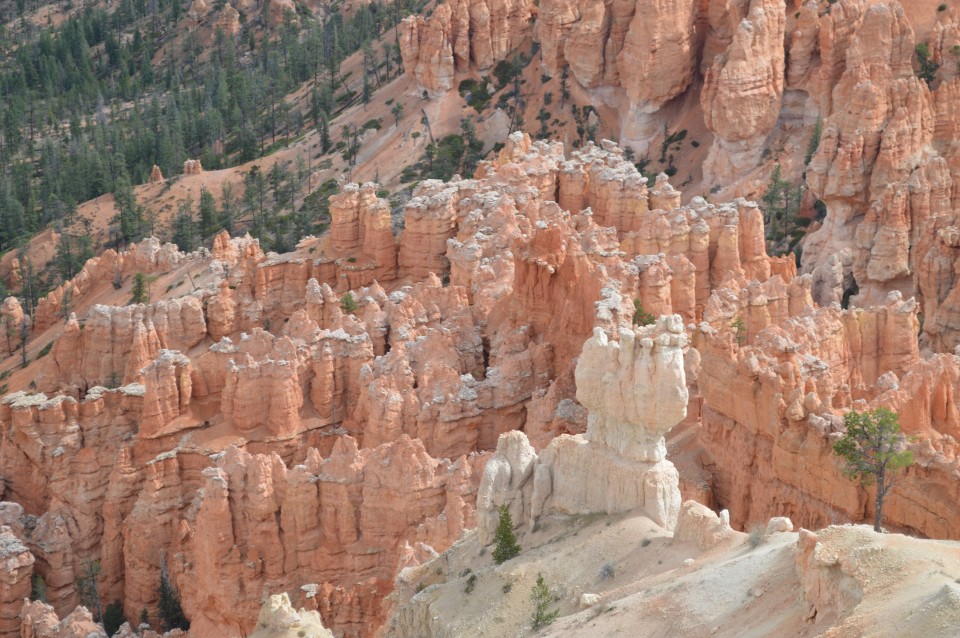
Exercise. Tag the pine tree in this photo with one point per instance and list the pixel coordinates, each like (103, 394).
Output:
(139, 292)
(184, 228)
(325, 141)
(171, 613)
(542, 616)
(506, 542)
(86, 587)
(208, 212)
(874, 449)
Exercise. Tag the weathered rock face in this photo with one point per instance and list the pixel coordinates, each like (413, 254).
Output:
(459, 34)
(258, 525)
(156, 175)
(40, 621)
(742, 92)
(278, 619)
(635, 391)
(16, 570)
(781, 398)
(360, 233)
(875, 158)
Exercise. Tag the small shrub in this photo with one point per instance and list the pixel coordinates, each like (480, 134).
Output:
(375, 125)
(352, 260)
(38, 588)
(645, 542)
(483, 551)
(607, 571)
(421, 587)
(348, 304)
(475, 93)
(113, 381)
(928, 68)
(471, 584)
(740, 330)
(506, 588)
(942, 7)
(757, 537)
(640, 316)
(45, 350)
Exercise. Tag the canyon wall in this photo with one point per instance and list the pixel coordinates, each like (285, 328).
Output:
(262, 431)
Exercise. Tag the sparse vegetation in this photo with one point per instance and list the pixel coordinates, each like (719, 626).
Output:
(113, 381)
(739, 330)
(873, 449)
(640, 316)
(38, 588)
(927, 70)
(348, 304)
(471, 584)
(45, 350)
(607, 572)
(171, 614)
(814, 142)
(779, 203)
(87, 590)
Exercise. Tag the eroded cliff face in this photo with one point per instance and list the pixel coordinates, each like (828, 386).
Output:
(461, 34)
(262, 430)
(259, 429)
(758, 78)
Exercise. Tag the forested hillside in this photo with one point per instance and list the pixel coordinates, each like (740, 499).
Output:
(92, 104)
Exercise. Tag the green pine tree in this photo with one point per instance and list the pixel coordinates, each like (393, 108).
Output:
(542, 616)
(139, 293)
(874, 449)
(506, 542)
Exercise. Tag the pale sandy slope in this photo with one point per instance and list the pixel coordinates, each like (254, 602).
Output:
(859, 584)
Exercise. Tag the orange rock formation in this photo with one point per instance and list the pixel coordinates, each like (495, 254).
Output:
(255, 432)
